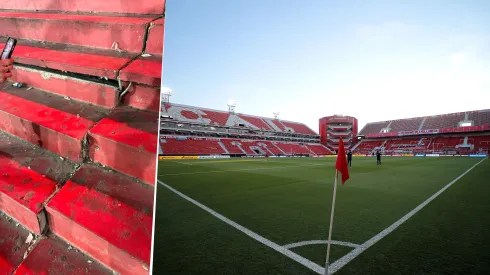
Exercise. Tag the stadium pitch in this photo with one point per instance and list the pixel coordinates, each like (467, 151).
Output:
(412, 215)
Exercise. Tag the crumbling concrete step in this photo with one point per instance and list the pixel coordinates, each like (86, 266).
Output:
(103, 32)
(83, 90)
(143, 97)
(154, 43)
(101, 63)
(52, 255)
(107, 6)
(13, 244)
(29, 176)
(144, 70)
(47, 120)
(126, 141)
(23, 193)
(106, 215)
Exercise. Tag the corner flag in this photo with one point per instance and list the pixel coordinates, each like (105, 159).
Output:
(341, 164)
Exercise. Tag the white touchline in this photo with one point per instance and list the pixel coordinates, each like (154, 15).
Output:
(357, 251)
(298, 244)
(179, 162)
(244, 169)
(286, 252)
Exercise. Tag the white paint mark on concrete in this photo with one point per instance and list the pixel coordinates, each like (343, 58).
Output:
(29, 238)
(357, 251)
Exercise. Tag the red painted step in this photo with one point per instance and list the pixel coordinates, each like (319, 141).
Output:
(81, 60)
(145, 70)
(12, 244)
(126, 141)
(86, 91)
(101, 63)
(154, 43)
(23, 193)
(143, 97)
(28, 177)
(49, 121)
(54, 256)
(108, 216)
(74, 29)
(108, 6)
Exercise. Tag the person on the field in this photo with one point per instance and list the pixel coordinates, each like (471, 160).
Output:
(349, 158)
(378, 157)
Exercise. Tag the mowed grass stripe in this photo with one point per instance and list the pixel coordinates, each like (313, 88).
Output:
(190, 241)
(268, 201)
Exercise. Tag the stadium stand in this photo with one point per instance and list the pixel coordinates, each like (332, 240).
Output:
(455, 133)
(437, 122)
(190, 146)
(189, 130)
(184, 113)
(293, 148)
(180, 145)
(443, 121)
(319, 149)
(404, 124)
(374, 127)
(248, 135)
(480, 143)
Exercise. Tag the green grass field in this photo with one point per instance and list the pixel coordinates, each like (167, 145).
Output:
(287, 201)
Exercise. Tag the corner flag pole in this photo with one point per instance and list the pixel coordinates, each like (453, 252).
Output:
(331, 222)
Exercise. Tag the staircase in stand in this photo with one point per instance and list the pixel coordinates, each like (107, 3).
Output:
(355, 146)
(422, 124)
(78, 140)
(224, 147)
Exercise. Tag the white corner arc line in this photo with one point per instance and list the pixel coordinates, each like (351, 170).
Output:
(357, 251)
(298, 244)
(286, 252)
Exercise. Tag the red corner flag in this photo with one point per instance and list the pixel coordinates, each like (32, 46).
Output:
(341, 164)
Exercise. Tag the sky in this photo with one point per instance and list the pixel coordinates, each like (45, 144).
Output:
(374, 60)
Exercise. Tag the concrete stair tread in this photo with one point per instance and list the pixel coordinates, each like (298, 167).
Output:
(106, 6)
(52, 255)
(76, 17)
(87, 91)
(23, 192)
(143, 97)
(13, 244)
(145, 70)
(94, 31)
(29, 176)
(100, 208)
(93, 62)
(154, 43)
(127, 132)
(47, 120)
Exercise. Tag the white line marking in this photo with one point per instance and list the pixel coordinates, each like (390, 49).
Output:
(244, 169)
(286, 252)
(292, 245)
(357, 251)
(182, 163)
